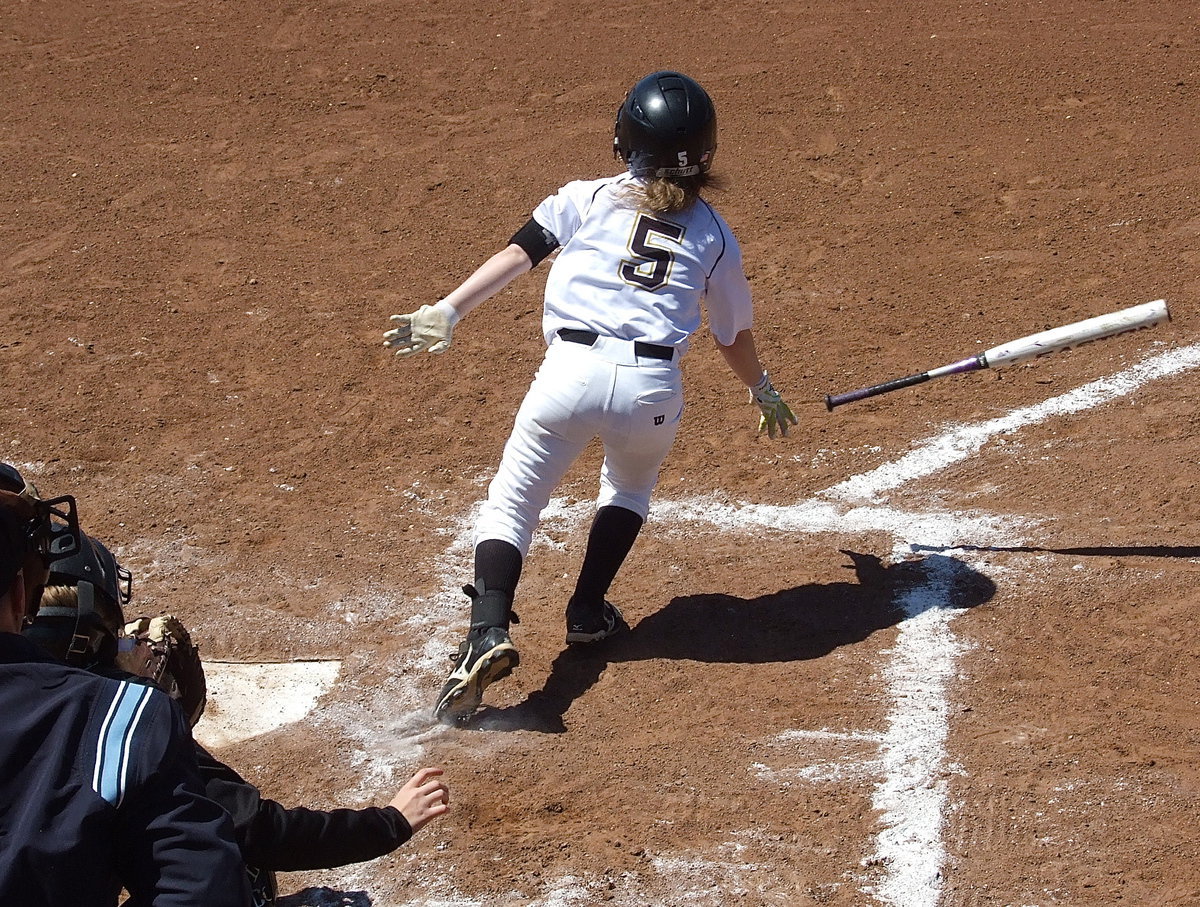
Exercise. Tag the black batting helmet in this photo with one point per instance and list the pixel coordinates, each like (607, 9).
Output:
(667, 126)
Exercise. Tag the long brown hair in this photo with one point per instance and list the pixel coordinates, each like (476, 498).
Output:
(664, 194)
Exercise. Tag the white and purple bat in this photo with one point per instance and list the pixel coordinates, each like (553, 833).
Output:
(1044, 343)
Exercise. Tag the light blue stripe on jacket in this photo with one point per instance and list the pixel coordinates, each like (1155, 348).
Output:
(116, 738)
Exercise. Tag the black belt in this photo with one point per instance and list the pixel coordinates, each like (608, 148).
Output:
(587, 338)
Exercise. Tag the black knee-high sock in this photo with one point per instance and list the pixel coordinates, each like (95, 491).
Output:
(614, 530)
(497, 570)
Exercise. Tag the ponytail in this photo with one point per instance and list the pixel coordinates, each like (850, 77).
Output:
(665, 194)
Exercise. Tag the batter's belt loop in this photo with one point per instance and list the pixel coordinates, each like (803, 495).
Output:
(649, 350)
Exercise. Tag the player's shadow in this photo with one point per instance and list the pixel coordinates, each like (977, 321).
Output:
(795, 624)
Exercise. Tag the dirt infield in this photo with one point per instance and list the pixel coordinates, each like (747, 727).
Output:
(935, 649)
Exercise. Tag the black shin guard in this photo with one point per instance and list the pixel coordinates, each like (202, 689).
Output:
(489, 607)
(497, 570)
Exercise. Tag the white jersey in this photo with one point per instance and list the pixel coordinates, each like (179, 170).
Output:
(638, 275)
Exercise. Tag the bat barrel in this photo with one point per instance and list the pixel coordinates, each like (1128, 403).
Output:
(1058, 339)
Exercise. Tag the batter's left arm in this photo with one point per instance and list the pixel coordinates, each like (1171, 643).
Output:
(742, 358)
(488, 279)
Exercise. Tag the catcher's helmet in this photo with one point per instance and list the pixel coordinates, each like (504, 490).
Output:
(84, 634)
(94, 564)
(667, 126)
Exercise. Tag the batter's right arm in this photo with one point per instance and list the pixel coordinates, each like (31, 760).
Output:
(431, 326)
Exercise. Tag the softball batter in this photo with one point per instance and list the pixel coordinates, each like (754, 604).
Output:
(638, 254)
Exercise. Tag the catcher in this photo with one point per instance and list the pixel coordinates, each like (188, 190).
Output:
(81, 621)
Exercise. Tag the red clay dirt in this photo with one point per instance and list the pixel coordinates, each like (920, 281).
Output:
(210, 209)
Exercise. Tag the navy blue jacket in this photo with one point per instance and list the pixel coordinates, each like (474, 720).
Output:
(99, 789)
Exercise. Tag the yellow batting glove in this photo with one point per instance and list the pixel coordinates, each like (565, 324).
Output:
(775, 413)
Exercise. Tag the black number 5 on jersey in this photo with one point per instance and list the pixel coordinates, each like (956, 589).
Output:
(651, 266)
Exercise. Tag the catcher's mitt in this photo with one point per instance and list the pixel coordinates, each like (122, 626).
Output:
(161, 649)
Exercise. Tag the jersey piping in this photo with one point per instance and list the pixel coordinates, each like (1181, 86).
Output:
(724, 244)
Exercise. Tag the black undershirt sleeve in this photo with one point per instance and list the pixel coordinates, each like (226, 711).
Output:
(536, 240)
(286, 840)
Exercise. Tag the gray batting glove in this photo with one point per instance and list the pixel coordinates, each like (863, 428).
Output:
(428, 328)
(775, 413)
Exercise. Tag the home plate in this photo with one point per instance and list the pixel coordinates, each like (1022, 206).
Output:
(249, 699)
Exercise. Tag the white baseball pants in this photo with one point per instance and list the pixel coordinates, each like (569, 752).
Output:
(632, 403)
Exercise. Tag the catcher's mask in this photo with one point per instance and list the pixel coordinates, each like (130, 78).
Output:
(81, 617)
(666, 127)
(34, 532)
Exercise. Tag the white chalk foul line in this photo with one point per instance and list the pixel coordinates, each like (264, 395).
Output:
(912, 793)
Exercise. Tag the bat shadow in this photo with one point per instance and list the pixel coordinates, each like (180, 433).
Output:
(324, 897)
(796, 624)
(1186, 552)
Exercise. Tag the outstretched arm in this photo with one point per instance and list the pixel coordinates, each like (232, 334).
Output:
(742, 358)
(489, 279)
(283, 839)
(431, 326)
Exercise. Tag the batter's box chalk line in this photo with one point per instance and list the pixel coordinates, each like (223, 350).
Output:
(908, 757)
